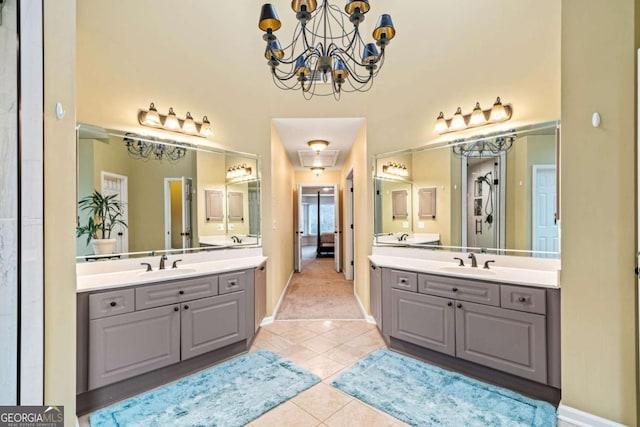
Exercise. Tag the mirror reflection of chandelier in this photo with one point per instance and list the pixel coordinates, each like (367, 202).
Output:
(150, 148)
(484, 147)
(323, 50)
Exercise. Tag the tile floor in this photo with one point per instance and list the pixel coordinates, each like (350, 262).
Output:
(324, 347)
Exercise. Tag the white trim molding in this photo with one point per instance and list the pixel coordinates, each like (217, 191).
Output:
(368, 318)
(270, 319)
(583, 419)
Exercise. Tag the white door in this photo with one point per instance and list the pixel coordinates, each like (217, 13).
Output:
(545, 230)
(118, 184)
(337, 241)
(299, 228)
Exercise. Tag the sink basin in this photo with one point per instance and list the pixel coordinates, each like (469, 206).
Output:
(166, 273)
(468, 270)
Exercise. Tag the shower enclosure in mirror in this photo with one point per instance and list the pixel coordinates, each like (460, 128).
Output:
(494, 193)
(176, 197)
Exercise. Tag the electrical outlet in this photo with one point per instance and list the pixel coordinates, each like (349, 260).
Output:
(420, 224)
(220, 227)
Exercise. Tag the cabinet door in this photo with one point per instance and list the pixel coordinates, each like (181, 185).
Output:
(212, 323)
(126, 345)
(423, 320)
(235, 206)
(507, 340)
(375, 283)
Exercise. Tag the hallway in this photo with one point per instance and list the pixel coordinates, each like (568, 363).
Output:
(319, 292)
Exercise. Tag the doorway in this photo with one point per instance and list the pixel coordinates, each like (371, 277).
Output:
(118, 185)
(177, 213)
(544, 225)
(318, 224)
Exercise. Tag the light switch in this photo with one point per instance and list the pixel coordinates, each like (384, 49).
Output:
(405, 224)
(220, 227)
(231, 226)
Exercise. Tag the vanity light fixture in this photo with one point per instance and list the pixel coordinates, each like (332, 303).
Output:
(172, 123)
(152, 148)
(317, 170)
(238, 171)
(478, 117)
(395, 169)
(318, 145)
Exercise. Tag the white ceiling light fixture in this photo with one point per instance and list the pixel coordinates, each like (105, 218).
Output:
(317, 170)
(318, 145)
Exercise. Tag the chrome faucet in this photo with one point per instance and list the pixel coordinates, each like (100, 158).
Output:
(474, 261)
(403, 237)
(236, 239)
(163, 258)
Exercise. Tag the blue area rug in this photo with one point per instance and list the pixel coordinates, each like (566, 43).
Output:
(424, 395)
(230, 394)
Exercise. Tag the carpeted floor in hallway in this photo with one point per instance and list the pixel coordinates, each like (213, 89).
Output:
(319, 292)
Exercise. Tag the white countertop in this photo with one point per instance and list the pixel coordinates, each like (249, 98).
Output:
(546, 278)
(103, 279)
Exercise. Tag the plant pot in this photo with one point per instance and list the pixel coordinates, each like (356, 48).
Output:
(103, 246)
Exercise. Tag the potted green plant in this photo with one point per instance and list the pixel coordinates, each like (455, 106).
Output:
(105, 213)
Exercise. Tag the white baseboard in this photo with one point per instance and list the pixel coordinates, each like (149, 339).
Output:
(270, 319)
(368, 318)
(583, 419)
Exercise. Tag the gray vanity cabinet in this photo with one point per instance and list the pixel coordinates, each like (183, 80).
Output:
(212, 323)
(424, 320)
(510, 328)
(508, 340)
(129, 344)
(375, 275)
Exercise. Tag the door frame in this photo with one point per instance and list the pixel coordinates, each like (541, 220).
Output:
(349, 253)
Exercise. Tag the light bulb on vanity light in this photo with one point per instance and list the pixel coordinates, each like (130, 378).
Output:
(152, 118)
(441, 124)
(477, 117)
(171, 122)
(457, 121)
(189, 126)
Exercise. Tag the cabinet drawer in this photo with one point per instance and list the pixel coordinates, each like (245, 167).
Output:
(404, 280)
(231, 282)
(174, 292)
(460, 289)
(111, 303)
(521, 298)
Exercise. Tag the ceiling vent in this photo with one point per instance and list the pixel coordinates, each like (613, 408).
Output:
(326, 158)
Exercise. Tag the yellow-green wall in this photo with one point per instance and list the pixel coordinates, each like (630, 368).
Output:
(433, 169)
(362, 213)
(60, 207)
(278, 225)
(211, 171)
(599, 326)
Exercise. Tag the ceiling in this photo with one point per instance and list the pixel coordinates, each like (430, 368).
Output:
(340, 132)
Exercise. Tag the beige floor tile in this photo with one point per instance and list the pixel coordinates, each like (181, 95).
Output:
(565, 424)
(319, 326)
(270, 341)
(348, 355)
(399, 423)
(340, 335)
(356, 414)
(298, 335)
(298, 354)
(286, 415)
(281, 327)
(319, 344)
(83, 421)
(322, 366)
(322, 400)
(360, 327)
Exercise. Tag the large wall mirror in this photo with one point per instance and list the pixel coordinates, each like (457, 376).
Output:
(495, 193)
(175, 197)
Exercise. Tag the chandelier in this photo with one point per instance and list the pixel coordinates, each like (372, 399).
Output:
(151, 148)
(484, 147)
(325, 57)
